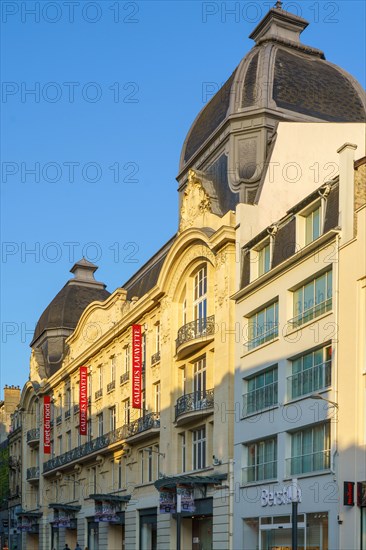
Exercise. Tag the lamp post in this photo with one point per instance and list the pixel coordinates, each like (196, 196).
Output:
(294, 501)
(318, 396)
(179, 518)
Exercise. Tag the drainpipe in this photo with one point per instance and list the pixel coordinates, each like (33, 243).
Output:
(231, 501)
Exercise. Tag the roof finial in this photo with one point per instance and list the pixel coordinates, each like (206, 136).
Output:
(278, 5)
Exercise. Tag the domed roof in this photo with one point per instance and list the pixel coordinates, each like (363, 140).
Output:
(283, 76)
(66, 308)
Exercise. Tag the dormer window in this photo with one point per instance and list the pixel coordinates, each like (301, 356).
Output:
(264, 258)
(313, 225)
(310, 222)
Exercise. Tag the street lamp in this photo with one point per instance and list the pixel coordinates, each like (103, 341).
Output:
(318, 396)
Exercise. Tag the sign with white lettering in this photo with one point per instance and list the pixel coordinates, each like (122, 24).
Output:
(46, 425)
(136, 366)
(83, 401)
(281, 496)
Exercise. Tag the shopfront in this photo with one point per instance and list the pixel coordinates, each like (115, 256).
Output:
(148, 529)
(108, 521)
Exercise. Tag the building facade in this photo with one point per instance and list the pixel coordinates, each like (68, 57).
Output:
(120, 485)
(301, 368)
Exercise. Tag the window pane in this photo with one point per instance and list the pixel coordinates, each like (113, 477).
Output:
(316, 223)
(320, 294)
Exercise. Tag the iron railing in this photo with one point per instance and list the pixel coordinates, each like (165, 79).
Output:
(196, 401)
(310, 462)
(59, 419)
(87, 448)
(33, 473)
(76, 408)
(111, 386)
(310, 380)
(155, 358)
(68, 413)
(99, 393)
(147, 422)
(259, 472)
(311, 313)
(196, 329)
(124, 377)
(260, 399)
(33, 435)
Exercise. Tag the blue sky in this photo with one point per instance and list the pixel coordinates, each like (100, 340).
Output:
(116, 86)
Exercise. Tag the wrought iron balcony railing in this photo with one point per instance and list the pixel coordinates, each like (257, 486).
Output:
(76, 408)
(196, 329)
(33, 473)
(124, 377)
(98, 394)
(33, 435)
(144, 423)
(59, 419)
(196, 401)
(155, 358)
(111, 386)
(68, 413)
(86, 449)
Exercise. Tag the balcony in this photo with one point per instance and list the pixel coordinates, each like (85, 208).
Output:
(33, 437)
(124, 378)
(194, 336)
(194, 405)
(155, 358)
(311, 313)
(144, 427)
(308, 463)
(76, 408)
(89, 448)
(310, 380)
(111, 386)
(59, 419)
(68, 414)
(98, 394)
(33, 474)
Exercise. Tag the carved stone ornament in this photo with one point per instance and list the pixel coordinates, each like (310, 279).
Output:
(195, 202)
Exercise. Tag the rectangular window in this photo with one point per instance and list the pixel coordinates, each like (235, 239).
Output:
(157, 397)
(89, 430)
(157, 338)
(112, 419)
(100, 424)
(311, 372)
(142, 466)
(100, 377)
(313, 225)
(126, 411)
(119, 473)
(312, 299)
(261, 460)
(262, 391)
(113, 368)
(127, 358)
(310, 450)
(93, 480)
(60, 444)
(182, 438)
(68, 441)
(199, 448)
(149, 464)
(199, 379)
(200, 298)
(264, 259)
(263, 326)
(78, 436)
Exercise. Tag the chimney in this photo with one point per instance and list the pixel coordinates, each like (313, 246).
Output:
(346, 190)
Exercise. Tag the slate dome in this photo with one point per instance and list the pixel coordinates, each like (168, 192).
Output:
(282, 75)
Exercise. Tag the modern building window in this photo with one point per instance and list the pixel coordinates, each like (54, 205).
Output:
(199, 448)
(261, 461)
(100, 424)
(264, 259)
(262, 391)
(112, 419)
(311, 372)
(312, 299)
(313, 225)
(310, 450)
(263, 326)
(200, 297)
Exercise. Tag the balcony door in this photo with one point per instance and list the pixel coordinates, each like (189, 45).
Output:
(199, 380)
(200, 300)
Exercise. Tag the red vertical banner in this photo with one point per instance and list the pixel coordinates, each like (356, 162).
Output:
(83, 401)
(136, 366)
(47, 425)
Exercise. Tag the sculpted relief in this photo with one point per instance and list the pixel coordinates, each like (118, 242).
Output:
(196, 201)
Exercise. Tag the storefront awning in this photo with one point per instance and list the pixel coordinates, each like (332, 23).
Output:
(110, 498)
(25, 513)
(64, 507)
(174, 481)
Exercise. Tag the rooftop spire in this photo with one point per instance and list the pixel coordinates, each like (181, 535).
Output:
(278, 5)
